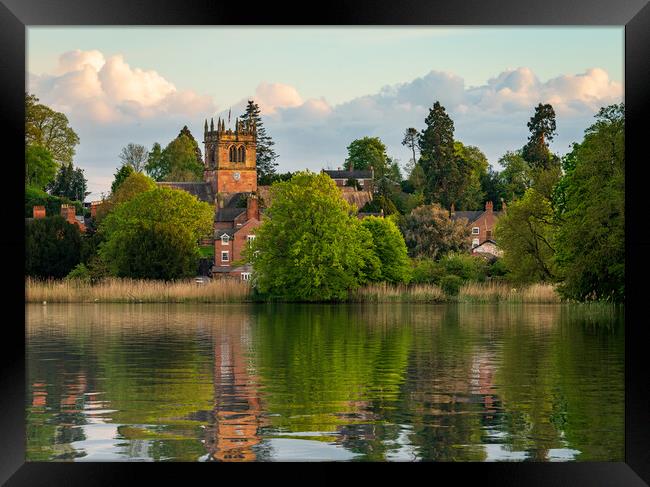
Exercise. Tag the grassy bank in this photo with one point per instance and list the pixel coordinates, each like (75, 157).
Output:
(233, 291)
(136, 291)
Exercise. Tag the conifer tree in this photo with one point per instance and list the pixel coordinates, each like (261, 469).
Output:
(266, 156)
(542, 130)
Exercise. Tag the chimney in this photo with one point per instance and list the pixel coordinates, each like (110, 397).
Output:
(252, 208)
(93, 208)
(39, 212)
(488, 206)
(68, 212)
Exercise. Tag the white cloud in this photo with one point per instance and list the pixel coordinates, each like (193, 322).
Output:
(89, 87)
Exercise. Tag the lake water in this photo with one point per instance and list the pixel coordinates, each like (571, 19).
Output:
(142, 382)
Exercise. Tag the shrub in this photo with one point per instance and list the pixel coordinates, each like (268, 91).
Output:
(79, 273)
(467, 267)
(451, 284)
(52, 247)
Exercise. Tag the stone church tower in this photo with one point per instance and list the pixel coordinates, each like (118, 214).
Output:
(230, 157)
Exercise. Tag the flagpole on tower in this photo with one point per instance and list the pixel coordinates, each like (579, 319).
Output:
(229, 117)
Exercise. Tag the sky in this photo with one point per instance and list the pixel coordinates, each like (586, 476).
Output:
(320, 88)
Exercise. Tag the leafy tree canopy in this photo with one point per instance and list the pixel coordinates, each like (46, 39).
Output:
(40, 168)
(312, 246)
(52, 247)
(49, 129)
(389, 247)
(366, 153)
(430, 232)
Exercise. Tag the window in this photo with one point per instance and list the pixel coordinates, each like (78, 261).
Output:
(250, 238)
(224, 256)
(475, 243)
(241, 154)
(225, 239)
(245, 276)
(232, 154)
(476, 230)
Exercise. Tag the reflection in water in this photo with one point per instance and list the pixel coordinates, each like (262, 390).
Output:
(321, 382)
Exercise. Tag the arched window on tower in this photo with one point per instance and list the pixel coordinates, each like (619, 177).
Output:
(232, 154)
(241, 154)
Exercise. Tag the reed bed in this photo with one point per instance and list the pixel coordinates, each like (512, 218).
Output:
(490, 292)
(136, 291)
(386, 293)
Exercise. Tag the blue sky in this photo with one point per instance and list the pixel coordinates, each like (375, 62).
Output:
(320, 88)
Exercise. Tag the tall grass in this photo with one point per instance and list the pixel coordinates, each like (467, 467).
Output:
(136, 291)
(386, 293)
(489, 292)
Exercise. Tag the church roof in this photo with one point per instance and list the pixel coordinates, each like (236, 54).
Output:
(202, 190)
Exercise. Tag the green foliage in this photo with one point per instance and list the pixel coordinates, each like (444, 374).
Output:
(591, 210)
(426, 271)
(525, 233)
(197, 150)
(268, 179)
(155, 165)
(542, 130)
(171, 221)
(451, 284)
(120, 176)
(79, 273)
(466, 266)
(430, 232)
(389, 247)
(50, 130)
(134, 184)
(40, 168)
(179, 161)
(266, 156)
(311, 247)
(411, 141)
(437, 158)
(515, 176)
(472, 167)
(52, 247)
(366, 153)
(52, 204)
(70, 183)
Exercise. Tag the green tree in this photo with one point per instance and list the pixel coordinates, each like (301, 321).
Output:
(197, 150)
(366, 153)
(542, 130)
(311, 247)
(135, 156)
(472, 166)
(40, 168)
(516, 175)
(266, 156)
(173, 220)
(49, 129)
(155, 166)
(410, 140)
(591, 237)
(437, 157)
(430, 232)
(52, 247)
(389, 247)
(180, 158)
(69, 182)
(120, 176)
(493, 187)
(525, 233)
(134, 184)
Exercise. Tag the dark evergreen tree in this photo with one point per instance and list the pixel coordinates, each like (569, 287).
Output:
(120, 176)
(542, 130)
(437, 157)
(411, 140)
(70, 182)
(266, 156)
(52, 247)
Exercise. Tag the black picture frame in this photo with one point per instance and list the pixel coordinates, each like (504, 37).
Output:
(16, 15)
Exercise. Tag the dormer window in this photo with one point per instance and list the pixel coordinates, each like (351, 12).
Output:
(225, 238)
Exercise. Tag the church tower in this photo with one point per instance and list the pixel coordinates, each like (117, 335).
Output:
(230, 157)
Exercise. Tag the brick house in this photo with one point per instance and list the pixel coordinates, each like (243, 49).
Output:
(365, 178)
(68, 212)
(480, 224)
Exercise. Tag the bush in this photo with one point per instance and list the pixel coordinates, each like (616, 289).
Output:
(426, 271)
(467, 267)
(451, 284)
(79, 273)
(37, 197)
(52, 247)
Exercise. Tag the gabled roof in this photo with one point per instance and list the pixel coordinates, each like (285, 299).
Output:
(471, 216)
(228, 214)
(224, 231)
(349, 174)
(202, 190)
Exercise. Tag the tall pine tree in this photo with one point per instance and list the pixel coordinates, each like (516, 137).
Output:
(437, 157)
(542, 130)
(266, 156)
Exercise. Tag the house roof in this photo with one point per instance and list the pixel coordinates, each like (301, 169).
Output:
(349, 174)
(471, 216)
(202, 190)
(224, 231)
(228, 214)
